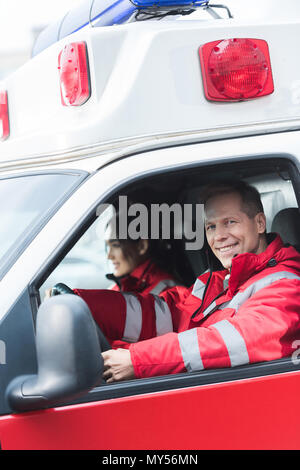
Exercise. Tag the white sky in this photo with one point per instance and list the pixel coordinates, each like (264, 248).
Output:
(18, 17)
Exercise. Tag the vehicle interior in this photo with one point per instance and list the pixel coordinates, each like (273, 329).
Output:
(84, 262)
(276, 178)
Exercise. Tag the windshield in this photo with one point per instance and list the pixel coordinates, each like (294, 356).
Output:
(26, 203)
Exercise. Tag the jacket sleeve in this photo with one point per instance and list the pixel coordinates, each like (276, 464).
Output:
(264, 328)
(133, 317)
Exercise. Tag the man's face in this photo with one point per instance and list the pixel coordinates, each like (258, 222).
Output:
(230, 231)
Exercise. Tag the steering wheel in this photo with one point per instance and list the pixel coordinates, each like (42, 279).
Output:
(62, 288)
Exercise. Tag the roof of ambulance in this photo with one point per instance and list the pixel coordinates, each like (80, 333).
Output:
(147, 91)
(97, 13)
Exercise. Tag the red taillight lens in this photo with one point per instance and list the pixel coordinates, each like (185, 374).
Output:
(4, 120)
(236, 69)
(74, 74)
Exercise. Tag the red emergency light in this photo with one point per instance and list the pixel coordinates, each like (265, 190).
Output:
(4, 120)
(236, 69)
(74, 74)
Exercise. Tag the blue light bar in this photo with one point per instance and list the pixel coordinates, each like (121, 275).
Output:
(168, 3)
(103, 13)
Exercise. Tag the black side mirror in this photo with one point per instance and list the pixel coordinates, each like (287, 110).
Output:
(68, 354)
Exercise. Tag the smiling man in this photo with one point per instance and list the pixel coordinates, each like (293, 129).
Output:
(247, 312)
(235, 222)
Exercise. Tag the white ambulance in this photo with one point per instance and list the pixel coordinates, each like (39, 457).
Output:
(150, 97)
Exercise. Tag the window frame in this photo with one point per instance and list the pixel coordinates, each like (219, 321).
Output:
(184, 380)
(82, 175)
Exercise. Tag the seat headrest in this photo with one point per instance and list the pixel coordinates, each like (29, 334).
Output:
(287, 224)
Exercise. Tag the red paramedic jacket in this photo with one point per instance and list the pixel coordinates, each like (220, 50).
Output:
(147, 278)
(256, 317)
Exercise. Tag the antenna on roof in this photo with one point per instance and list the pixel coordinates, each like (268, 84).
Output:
(209, 8)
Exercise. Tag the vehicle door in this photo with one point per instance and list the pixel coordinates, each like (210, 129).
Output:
(252, 406)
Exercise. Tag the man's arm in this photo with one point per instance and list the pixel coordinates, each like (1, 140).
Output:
(133, 317)
(263, 329)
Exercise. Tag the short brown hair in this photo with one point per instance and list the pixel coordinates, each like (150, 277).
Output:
(250, 197)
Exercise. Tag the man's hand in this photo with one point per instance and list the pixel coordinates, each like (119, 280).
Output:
(117, 365)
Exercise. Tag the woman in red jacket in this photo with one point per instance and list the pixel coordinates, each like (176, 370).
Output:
(138, 264)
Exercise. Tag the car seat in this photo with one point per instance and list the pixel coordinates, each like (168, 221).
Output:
(287, 224)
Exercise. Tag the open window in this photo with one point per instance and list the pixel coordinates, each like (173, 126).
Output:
(85, 265)
(82, 261)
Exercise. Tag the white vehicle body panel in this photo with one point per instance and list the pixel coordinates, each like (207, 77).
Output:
(146, 88)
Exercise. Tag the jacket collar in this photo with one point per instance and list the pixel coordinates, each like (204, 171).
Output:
(142, 269)
(246, 265)
(136, 275)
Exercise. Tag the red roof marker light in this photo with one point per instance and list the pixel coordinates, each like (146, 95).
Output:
(74, 74)
(236, 69)
(4, 120)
